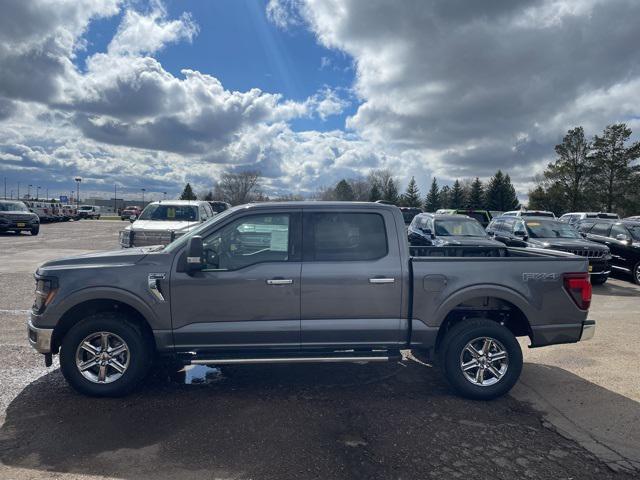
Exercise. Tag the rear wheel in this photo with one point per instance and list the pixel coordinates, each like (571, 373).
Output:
(636, 273)
(105, 355)
(481, 359)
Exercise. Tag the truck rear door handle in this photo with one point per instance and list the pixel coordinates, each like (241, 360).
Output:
(279, 281)
(377, 280)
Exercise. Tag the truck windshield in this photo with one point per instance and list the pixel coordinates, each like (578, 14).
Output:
(170, 213)
(462, 227)
(13, 207)
(634, 230)
(551, 229)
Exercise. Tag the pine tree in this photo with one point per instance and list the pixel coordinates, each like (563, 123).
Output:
(445, 197)
(501, 195)
(432, 202)
(375, 194)
(209, 196)
(475, 199)
(411, 197)
(457, 195)
(613, 164)
(344, 191)
(188, 193)
(390, 192)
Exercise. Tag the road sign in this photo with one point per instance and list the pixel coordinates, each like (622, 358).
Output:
(64, 199)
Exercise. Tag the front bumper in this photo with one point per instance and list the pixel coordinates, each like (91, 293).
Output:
(588, 330)
(40, 338)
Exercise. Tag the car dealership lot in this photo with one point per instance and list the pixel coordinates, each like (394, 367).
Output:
(322, 421)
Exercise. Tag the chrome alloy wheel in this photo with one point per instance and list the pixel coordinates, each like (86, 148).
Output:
(484, 361)
(637, 273)
(102, 357)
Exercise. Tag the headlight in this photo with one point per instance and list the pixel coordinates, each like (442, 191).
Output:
(126, 238)
(46, 289)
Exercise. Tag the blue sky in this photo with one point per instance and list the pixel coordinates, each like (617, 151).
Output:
(307, 92)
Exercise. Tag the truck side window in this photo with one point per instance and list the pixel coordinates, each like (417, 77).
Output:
(345, 237)
(601, 229)
(247, 241)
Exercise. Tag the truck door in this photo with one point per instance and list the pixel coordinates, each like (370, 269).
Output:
(248, 294)
(351, 280)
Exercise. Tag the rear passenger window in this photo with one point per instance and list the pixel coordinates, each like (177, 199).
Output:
(601, 229)
(345, 237)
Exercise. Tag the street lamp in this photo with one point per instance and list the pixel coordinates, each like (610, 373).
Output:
(78, 180)
(165, 195)
(37, 193)
(143, 190)
(29, 192)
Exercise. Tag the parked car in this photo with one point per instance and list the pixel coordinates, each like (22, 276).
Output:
(69, 212)
(574, 217)
(89, 211)
(130, 211)
(302, 282)
(16, 217)
(544, 232)
(441, 230)
(635, 218)
(622, 237)
(529, 213)
(42, 210)
(218, 206)
(408, 213)
(160, 223)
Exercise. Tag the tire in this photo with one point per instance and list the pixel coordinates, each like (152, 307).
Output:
(635, 274)
(474, 332)
(599, 279)
(35, 230)
(136, 359)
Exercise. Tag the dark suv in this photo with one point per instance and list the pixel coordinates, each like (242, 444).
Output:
(623, 239)
(544, 232)
(428, 229)
(16, 217)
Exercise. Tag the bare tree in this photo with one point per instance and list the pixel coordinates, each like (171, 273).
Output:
(239, 188)
(361, 188)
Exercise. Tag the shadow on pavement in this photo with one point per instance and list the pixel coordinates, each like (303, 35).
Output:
(604, 422)
(307, 421)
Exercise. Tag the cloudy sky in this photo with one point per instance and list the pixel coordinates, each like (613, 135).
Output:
(154, 94)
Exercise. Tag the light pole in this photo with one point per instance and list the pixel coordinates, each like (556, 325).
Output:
(18, 197)
(78, 180)
(143, 190)
(5, 188)
(165, 195)
(29, 192)
(115, 199)
(37, 193)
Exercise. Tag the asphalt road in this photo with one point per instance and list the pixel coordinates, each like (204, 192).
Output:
(314, 421)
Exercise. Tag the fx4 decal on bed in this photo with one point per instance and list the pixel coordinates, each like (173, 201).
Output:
(540, 276)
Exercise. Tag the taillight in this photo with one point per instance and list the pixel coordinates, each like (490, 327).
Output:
(578, 286)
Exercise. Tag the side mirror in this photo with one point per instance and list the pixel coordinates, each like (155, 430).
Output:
(521, 233)
(132, 218)
(427, 231)
(194, 254)
(622, 237)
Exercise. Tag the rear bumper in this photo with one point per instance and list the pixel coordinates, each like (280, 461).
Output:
(588, 330)
(566, 333)
(40, 338)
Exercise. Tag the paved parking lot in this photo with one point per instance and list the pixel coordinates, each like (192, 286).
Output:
(575, 414)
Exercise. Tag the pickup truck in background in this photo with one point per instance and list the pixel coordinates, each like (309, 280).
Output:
(306, 282)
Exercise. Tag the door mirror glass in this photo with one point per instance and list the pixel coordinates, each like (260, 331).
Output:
(521, 234)
(622, 237)
(194, 254)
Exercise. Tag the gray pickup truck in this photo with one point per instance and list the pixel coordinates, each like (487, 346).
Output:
(306, 282)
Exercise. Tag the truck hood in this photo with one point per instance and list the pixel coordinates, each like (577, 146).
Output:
(129, 256)
(461, 240)
(161, 225)
(565, 244)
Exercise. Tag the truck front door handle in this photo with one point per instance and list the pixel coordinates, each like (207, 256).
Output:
(279, 281)
(377, 280)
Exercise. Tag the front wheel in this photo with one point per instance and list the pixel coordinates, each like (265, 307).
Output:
(35, 230)
(105, 355)
(481, 359)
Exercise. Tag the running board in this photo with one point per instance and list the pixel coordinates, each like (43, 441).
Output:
(246, 361)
